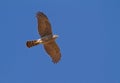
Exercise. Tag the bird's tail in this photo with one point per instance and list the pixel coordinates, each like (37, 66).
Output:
(32, 43)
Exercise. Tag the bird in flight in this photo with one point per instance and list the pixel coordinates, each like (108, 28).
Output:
(47, 38)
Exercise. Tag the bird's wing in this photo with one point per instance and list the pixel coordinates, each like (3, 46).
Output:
(53, 50)
(44, 26)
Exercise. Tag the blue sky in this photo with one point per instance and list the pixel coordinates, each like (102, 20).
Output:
(89, 39)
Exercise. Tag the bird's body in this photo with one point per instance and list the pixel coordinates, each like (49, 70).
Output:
(43, 40)
(47, 38)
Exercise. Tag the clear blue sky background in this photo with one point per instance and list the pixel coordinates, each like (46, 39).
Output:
(89, 38)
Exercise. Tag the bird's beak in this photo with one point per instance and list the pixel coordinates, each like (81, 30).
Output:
(56, 36)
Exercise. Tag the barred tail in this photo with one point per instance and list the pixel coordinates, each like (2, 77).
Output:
(32, 43)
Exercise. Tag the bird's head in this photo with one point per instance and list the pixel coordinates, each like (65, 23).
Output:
(55, 36)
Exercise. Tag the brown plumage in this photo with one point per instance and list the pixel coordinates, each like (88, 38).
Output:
(32, 43)
(47, 38)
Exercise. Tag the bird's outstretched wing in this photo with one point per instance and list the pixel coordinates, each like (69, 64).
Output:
(44, 26)
(53, 50)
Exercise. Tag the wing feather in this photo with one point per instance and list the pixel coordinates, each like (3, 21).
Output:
(44, 26)
(53, 50)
